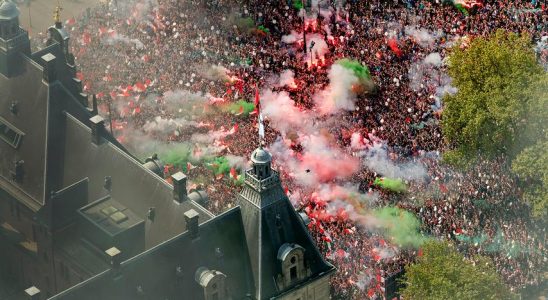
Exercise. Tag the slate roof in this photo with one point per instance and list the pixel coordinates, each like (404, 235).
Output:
(57, 151)
(270, 221)
(167, 271)
(64, 170)
(8, 10)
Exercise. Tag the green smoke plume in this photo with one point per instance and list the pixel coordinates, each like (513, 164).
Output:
(298, 4)
(263, 29)
(401, 226)
(240, 106)
(359, 70)
(177, 155)
(394, 185)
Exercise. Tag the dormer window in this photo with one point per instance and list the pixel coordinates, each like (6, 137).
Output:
(10, 134)
(213, 282)
(291, 259)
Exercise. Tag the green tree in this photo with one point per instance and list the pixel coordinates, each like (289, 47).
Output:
(443, 273)
(494, 77)
(531, 164)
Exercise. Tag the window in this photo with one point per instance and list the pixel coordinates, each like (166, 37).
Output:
(293, 273)
(213, 283)
(10, 134)
(291, 258)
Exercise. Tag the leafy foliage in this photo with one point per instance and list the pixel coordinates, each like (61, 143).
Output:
(494, 77)
(531, 165)
(443, 273)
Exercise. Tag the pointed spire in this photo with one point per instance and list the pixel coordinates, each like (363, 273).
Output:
(260, 117)
(57, 15)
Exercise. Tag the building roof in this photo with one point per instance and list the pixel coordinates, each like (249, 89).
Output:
(270, 222)
(260, 156)
(57, 151)
(133, 185)
(168, 270)
(8, 10)
(110, 216)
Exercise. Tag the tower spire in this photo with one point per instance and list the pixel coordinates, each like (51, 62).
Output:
(57, 15)
(260, 117)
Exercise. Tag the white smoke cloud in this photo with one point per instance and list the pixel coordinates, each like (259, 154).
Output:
(433, 59)
(338, 95)
(181, 102)
(237, 162)
(287, 78)
(216, 72)
(376, 159)
(165, 126)
(291, 38)
(422, 36)
(319, 50)
(281, 111)
(429, 73)
(120, 38)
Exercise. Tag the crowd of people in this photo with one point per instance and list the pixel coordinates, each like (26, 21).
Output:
(138, 57)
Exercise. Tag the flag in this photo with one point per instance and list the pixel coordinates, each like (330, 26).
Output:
(443, 188)
(233, 173)
(393, 44)
(257, 97)
(139, 87)
(70, 21)
(234, 129)
(467, 4)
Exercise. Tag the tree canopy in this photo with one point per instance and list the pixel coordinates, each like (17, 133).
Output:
(501, 108)
(531, 164)
(441, 272)
(495, 78)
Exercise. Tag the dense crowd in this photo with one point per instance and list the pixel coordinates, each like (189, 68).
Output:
(138, 57)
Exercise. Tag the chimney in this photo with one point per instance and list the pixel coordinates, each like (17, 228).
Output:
(179, 187)
(49, 74)
(191, 218)
(78, 83)
(97, 124)
(32, 293)
(83, 97)
(114, 255)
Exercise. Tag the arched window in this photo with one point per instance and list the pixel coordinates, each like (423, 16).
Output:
(291, 258)
(213, 282)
